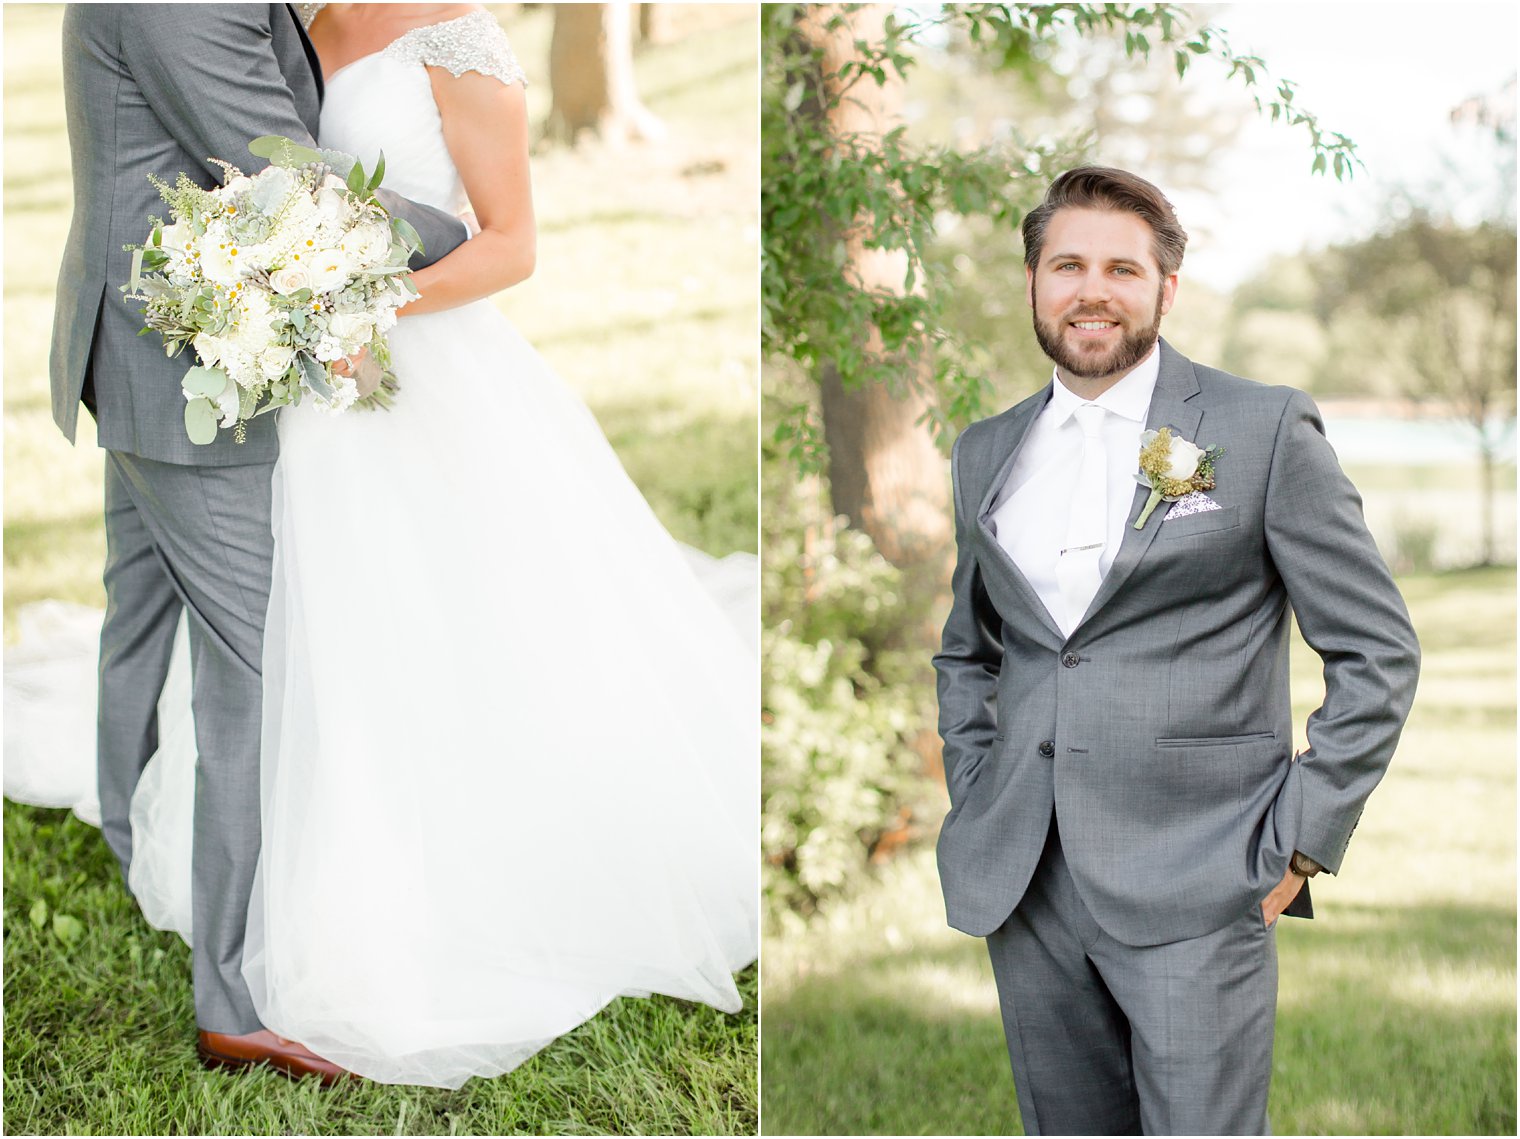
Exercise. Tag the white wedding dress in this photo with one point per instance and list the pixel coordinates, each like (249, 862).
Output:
(510, 759)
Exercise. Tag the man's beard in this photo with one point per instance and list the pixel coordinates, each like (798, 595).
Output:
(1134, 345)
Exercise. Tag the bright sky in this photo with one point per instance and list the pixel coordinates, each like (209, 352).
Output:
(1387, 75)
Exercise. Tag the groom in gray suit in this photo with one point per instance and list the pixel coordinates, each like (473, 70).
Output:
(161, 89)
(1128, 818)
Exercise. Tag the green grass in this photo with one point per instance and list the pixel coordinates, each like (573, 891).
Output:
(645, 300)
(99, 1037)
(1396, 1011)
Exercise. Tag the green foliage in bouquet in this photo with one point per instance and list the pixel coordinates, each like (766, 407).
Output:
(843, 698)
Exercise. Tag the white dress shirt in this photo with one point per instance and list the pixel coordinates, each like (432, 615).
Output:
(1029, 515)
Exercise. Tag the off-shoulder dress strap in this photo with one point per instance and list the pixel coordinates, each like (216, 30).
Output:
(473, 42)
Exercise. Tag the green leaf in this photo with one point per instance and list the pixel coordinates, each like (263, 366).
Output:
(136, 279)
(282, 151)
(406, 234)
(202, 381)
(200, 421)
(39, 914)
(356, 178)
(315, 375)
(379, 175)
(68, 929)
(248, 399)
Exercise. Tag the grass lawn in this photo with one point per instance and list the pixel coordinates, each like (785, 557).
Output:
(1396, 1012)
(646, 300)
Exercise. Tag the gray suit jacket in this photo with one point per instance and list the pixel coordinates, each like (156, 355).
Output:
(1166, 714)
(160, 89)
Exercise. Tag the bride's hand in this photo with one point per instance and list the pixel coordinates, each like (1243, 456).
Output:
(364, 368)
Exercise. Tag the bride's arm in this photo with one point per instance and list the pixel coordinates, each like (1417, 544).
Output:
(485, 125)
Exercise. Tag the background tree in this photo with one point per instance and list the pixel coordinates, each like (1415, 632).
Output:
(591, 77)
(1441, 302)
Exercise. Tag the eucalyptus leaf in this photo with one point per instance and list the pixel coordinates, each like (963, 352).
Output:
(315, 375)
(202, 381)
(282, 151)
(200, 421)
(409, 236)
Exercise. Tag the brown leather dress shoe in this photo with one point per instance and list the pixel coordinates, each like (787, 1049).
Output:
(220, 1050)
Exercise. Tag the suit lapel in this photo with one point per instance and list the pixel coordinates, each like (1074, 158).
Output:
(1014, 434)
(311, 54)
(1175, 386)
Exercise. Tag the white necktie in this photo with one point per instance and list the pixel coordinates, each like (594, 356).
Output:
(1077, 570)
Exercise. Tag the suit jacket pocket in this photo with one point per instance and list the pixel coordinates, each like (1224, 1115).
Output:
(1214, 741)
(1225, 518)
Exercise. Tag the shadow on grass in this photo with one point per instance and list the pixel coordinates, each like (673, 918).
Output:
(1390, 1022)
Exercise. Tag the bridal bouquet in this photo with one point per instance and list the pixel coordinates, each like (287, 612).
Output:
(271, 278)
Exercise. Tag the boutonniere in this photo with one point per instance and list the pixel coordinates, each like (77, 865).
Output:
(1172, 467)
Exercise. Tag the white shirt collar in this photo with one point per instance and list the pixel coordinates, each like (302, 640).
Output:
(1130, 398)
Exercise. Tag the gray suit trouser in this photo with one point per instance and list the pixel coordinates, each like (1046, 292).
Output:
(1113, 1039)
(197, 539)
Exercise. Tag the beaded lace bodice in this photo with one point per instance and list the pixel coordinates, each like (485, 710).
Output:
(384, 101)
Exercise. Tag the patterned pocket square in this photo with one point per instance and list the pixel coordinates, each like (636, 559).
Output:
(1194, 503)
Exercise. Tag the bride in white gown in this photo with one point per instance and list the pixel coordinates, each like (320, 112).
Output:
(509, 753)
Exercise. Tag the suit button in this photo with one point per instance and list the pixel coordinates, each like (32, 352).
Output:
(1071, 660)
(1047, 748)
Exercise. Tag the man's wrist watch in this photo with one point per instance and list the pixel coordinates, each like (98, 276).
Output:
(1304, 866)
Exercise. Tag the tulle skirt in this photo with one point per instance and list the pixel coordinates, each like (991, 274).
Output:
(510, 758)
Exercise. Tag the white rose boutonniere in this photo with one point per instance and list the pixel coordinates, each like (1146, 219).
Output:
(1172, 467)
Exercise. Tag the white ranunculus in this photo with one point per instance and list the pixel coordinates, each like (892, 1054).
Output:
(367, 244)
(219, 264)
(176, 237)
(351, 327)
(1183, 459)
(329, 206)
(236, 186)
(329, 270)
(290, 279)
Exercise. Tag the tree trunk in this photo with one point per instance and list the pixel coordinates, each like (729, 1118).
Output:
(886, 475)
(591, 77)
(654, 23)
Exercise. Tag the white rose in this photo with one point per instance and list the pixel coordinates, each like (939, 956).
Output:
(351, 327)
(291, 279)
(329, 270)
(1183, 459)
(274, 361)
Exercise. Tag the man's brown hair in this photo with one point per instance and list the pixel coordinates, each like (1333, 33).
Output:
(1108, 188)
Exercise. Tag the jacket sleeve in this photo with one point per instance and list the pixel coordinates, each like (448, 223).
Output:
(1352, 615)
(971, 649)
(209, 73)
